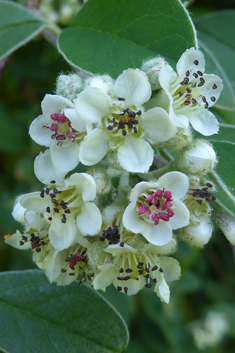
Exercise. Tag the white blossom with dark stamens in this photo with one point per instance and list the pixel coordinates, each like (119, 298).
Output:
(68, 210)
(191, 92)
(120, 123)
(59, 128)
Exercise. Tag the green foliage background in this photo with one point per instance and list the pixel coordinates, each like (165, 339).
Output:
(208, 281)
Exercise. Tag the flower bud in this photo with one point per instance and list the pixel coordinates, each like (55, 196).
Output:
(69, 86)
(103, 182)
(152, 68)
(226, 222)
(97, 256)
(198, 232)
(198, 159)
(181, 139)
(104, 83)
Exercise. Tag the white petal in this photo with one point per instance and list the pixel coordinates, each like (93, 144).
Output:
(18, 211)
(34, 220)
(94, 147)
(92, 105)
(162, 290)
(162, 250)
(133, 285)
(14, 240)
(76, 122)
(178, 120)
(176, 182)
(40, 134)
(208, 91)
(55, 104)
(166, 77)
(89, 219)
(45, 170)
(141, 188)
(181, 216)
(65, 157)
(187, 62)
(204, 122)
(131, 219)
(159, 234)
(108, 273)
(171, 268)
(62, 235)
(133, 85)
(157, 125)
(34, 202)
(135, 155)
(85, 184)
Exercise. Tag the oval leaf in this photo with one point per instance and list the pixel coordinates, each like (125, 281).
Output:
(17, 26)
(110, 36)
(37, 317)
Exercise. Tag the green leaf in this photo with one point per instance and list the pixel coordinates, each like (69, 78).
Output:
(224, 145)
(17, 26)
(216, 33)
(37, 317)
(113, 35)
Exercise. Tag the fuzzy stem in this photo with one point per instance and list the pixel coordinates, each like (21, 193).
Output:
(214, 176)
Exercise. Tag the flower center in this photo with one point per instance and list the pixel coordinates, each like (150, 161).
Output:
(111, 234)
(62, 129)
(156, 206)
(62, 202)
(187, 92)
(125, 122)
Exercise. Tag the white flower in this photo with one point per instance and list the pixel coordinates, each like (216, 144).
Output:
(191, 93)
(120, 123)
(199, 158)
(155, 208)
(67, 209)
(199, 232)
(133, 268)
(60, 129)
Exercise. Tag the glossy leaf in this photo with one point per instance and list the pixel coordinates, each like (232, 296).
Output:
(37, 317)
(17, 26)
(216, 33)
(112, 35)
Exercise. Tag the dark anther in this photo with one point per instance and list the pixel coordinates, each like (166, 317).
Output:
(209, 185)
(204, 99)
(196, 62)
(121, 244)
(47, 191)
(101, 239)
(135, 130)
(21, 242)
(63, 270)
(185, 81)
(146, 276)
(121, 270)
(160, 269)
(195, 75)
(194, 101)
(147, 269)
(125, 290)
(154, 280)
(72, 274)
(126, 278)
(38, 250)
(126, 110)
(155, 268)
(49, 218)
(213, 99)
(200, 73)
(187, 73)
(140, 272)
(111, 234)
(53, 182)
(56, 210)
(24, 238)
(188, 90)
(48, 209)
(148, 285)
(124, 132)
(206, 105)
(139, 266)
(213, 197)
(129, 270)
(119, 288)
(121, 99)
(67, 211)
(214, 86)
(202, 81)
(139, 112)
(141, 263)
(52, 195)
(42, 193)
(181, 94)
(55, 191)
(110, 127)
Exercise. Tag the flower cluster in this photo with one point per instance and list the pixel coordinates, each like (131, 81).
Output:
(119, 222)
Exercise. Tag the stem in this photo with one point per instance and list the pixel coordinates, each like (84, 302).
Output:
(124, 187)
(214, 176)
(155, 174)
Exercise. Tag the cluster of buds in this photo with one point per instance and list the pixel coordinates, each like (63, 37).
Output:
(119, 222)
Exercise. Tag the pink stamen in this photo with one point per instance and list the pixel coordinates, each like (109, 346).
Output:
(54, 127)
(71, 135)
(170, 212)
(54, 116)
(168, 195)
(156, 218)
(142, 210)
(164, 216)
(61, 119)
(60, 137)
(167, 205)
(149, 198)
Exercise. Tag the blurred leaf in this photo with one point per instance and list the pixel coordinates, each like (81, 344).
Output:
(17, 26)
(111, 36)
(216, 33)
(37, 317)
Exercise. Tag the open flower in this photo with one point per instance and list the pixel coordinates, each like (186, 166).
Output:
(121, 123)
(60, 129)
(134, 268)
(68, 210)
(155, 208)
(191, 92)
